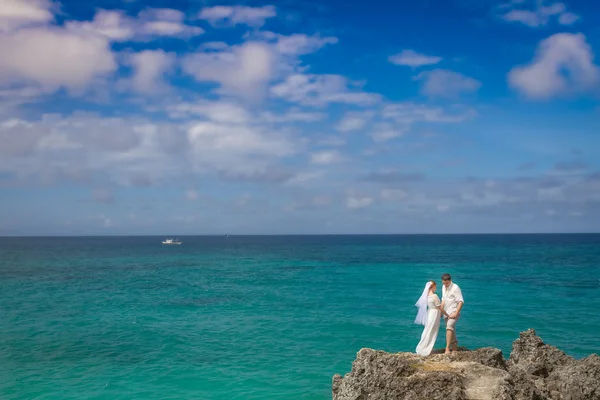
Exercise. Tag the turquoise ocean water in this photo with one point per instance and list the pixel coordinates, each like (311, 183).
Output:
(259, 317)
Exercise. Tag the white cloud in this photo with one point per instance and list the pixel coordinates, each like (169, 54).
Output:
(563, 64)
(165, 22)
(444, 83)
(106, 222)
(19, 138)
(149, 68)
(353, 121)
(289, 49)
(413, 59)
(302, 44)
(304, 178)
(226, 111)
(79, 56)
(408, 113)
(293, 115)
(396, 119)
(442, 207)
(356, 202)
(234, 15)
(51, 58)
(540, 15)
(11, 99)
(79, 147)
(382, 132)
(221, 111)
(154, 22)
(325, 157)
(135, 151)
(236, 148)
(295, 44)
(320, 90)
(218, 46)
(568, 18)
(113, 25)
(19, 13)
(242, 70)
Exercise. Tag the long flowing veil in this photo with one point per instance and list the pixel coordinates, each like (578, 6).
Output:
(422, 306)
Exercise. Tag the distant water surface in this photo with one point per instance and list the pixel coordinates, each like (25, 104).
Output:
(268, 317)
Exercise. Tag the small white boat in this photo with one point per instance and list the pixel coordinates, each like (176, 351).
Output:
(171, 241)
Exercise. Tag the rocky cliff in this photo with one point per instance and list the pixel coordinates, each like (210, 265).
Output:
(534, 371)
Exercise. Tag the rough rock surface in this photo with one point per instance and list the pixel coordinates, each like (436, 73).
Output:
(535, 357)
(552, 373)
(535, 371)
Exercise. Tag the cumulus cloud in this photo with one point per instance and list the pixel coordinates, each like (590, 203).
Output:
(118, 26)
(320, 90)
(215, 130)
(325, 157)
(238, 148)
(51, 58)
(383, 131)
(539, 15)
(244, 70)
(234, 15)
(55, 147)
(353, 121)
(305, 178)
(20, 13)
(358, 202)
(395, 119)
(448, 84)
(128, 150)
(18, 137)
(293, 115)
(228, 111)
(221, 111)
(79, 54)
(149, 68)
(413, 59)
(563, 65)
(295, 44)
(407, 113)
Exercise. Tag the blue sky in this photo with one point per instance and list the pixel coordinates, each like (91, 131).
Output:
(202, 117)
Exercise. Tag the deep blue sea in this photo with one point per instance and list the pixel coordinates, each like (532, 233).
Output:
(268, 317)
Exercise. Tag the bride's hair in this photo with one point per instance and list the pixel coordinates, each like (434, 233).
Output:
(432, 284)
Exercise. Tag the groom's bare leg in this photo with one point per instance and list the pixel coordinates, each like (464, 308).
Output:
(449, 338)
(451, 342)
(454, 341)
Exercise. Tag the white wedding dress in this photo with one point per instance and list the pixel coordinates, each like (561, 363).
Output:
(432, 326)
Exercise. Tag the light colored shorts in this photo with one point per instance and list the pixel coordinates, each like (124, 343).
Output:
(450, 323)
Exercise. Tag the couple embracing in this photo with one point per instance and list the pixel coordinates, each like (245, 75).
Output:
(430, 310)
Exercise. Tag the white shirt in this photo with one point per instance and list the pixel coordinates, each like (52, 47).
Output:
(451, 297)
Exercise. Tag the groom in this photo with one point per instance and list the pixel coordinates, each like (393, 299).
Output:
(452, 303)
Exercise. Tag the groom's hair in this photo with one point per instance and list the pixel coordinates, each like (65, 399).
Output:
(446, 277)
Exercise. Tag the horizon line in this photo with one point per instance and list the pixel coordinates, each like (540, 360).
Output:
(303, 234)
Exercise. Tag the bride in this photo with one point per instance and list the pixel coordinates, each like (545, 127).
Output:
(430, 308)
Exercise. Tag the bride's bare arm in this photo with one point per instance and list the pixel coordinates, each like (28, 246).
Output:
(440, 307)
